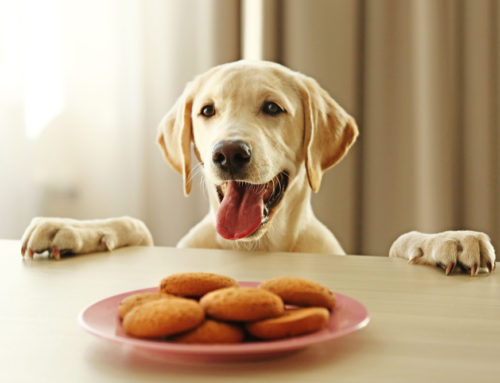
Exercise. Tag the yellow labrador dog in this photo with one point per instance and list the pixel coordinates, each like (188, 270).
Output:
(264, 136)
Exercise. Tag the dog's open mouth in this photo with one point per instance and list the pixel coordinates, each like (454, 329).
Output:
(245, 207)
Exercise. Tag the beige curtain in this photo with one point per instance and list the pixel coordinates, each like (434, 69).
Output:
(422, 79)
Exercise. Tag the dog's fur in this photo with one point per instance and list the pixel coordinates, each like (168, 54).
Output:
(310, 134)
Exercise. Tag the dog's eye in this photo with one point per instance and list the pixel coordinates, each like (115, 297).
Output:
(272, 108)
(208, 111)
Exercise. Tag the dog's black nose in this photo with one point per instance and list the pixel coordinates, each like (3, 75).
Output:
(231, 155)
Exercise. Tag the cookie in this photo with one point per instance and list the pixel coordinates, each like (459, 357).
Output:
(292, 323)
(134, 300)
(242, 304)
(163, 317)
(194, 284)
(300, 292)
(212, 332)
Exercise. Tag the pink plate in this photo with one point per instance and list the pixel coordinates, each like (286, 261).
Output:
(101, 319)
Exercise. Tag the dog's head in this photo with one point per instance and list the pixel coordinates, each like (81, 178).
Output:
(253, 126)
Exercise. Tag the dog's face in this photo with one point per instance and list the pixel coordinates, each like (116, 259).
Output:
(253, 127)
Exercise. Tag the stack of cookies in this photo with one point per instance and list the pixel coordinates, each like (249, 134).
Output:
(209, 308)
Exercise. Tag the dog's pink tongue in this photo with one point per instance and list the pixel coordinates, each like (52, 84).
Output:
(240, 212)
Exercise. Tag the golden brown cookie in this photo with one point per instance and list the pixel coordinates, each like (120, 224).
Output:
(212, 332)
(300, 292)
(194, 284)
(294, 322)
(242, 304)
(134, 300)
(163, 317)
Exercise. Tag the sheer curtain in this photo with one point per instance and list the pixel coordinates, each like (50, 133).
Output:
(67, 124)
(83, 85)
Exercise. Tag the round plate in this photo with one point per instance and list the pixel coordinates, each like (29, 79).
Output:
(101, 319)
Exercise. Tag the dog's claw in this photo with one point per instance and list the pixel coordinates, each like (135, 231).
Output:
(56, 253)
(31, 253)
(23, 250)
(489, 266)
(473, 269)
(449, 268)
(415, 258)
(108, 246)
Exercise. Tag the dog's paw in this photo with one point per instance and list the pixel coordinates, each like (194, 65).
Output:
(59, 236)
(470, 250)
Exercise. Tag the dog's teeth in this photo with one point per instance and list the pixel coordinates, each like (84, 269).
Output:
(266, 211)
(265, 219)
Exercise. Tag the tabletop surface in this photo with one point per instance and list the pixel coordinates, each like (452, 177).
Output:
(424, 326)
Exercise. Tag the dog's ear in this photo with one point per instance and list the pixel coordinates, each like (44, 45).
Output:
(175, 136)
(329, 131)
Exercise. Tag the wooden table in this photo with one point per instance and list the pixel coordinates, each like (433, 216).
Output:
(424, 327)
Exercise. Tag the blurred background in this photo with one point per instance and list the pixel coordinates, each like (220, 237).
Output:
(84, 84)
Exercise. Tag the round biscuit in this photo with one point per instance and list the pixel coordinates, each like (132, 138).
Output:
(194, 284)
(300, 292)
(242, 304)
(292, 323)
(128, 303)
(212, 332)
(163, 317)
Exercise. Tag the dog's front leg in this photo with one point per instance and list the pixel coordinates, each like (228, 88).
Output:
(471, 250)
(61, 236)
(202, 235)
